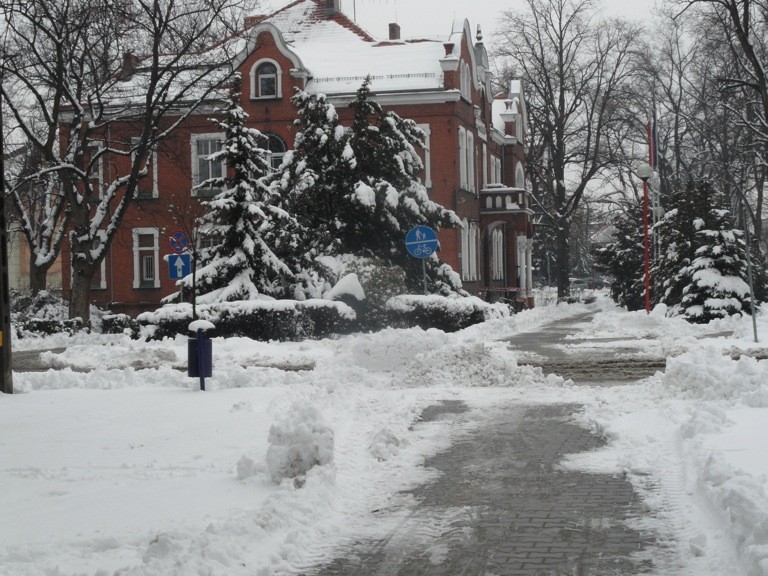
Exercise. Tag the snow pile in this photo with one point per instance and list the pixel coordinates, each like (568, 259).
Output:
(385, 445)
(388, 349)
(617, 322)
(706, 374)
(348, 285)
(298, 443)
(472, 364)
(84, 357)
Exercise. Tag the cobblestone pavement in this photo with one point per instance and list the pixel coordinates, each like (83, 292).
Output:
(503, 507)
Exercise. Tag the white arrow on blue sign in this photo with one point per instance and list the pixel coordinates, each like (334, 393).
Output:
(179, 266)
(421, 241)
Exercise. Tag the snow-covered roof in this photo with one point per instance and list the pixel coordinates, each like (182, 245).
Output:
(338, 54)
(332, 53)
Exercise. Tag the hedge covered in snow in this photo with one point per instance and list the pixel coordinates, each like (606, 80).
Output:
(258, 319)
(444, 313)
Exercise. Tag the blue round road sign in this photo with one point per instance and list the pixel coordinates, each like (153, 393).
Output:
(421, 241)
(179, 242)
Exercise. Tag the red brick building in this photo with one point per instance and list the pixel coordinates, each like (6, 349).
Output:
(473, 161)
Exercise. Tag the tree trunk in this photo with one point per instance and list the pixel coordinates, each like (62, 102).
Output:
(563, 264)
(80, 295)
(38, 276)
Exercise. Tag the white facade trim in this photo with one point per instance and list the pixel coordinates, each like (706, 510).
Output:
(401, 99)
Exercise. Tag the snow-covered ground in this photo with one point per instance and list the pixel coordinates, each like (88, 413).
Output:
(113, 463)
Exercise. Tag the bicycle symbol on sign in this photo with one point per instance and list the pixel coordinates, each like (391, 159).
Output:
(422, 250)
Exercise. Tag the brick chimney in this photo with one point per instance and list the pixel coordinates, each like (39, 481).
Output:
(130, 63)
(332, 7)
(394, 31)
(251, 20)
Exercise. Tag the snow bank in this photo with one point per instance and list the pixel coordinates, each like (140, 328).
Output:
(708, 374)
(472, 364)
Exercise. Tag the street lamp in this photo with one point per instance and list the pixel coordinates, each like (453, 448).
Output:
(644, 172)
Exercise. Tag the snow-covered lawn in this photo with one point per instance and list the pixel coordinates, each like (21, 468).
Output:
(113, 464)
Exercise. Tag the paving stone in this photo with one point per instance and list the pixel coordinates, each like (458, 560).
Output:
(525, 516)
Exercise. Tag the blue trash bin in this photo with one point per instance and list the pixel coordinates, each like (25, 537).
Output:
(193, 363)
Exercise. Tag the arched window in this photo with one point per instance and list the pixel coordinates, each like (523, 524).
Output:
(266, 80)
(277, 149)
(520, 177)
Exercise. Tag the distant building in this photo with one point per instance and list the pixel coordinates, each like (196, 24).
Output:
(473, 160)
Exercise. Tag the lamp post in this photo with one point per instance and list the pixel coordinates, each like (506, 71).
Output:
(644, 172)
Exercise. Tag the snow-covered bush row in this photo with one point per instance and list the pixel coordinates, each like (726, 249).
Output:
(258, 319)
(449, 314)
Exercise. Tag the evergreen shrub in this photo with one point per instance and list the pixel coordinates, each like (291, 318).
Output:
(444, 313)
(120, 324)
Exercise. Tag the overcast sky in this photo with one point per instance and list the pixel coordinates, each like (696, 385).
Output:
(434, 17)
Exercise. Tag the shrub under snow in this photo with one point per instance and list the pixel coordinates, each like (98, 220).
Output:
(444, 313)
(258, 319)
(298, 443)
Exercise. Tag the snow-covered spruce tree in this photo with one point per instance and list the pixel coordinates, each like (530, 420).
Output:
(311, 183)
(388, 199)
(356, 190)
(623, 260)
(236, 262)
(718, 272)
(677, 240)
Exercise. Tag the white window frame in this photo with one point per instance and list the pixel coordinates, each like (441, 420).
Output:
(520, 176)
(485, 165)
(496, 169)
(474, 236)
(470, 148)
(255, 88)
(462, 158)
(138, 253)
(427, 155)
(497, 254)
(151, 169)
(220, 136)
(465, 82)
(102, 236)
(273, 156)
(470, 242)
(464, 249)
(97, 145)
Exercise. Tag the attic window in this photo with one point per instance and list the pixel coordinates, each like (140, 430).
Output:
(266, 80)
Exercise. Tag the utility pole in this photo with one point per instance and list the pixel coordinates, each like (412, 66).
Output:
(6, 373)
